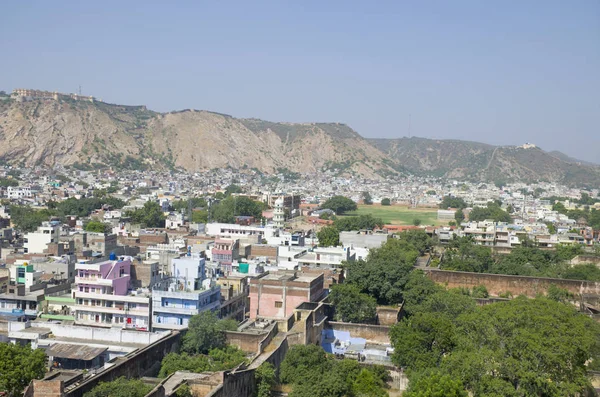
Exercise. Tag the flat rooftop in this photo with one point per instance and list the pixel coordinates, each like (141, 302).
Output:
(74, 352)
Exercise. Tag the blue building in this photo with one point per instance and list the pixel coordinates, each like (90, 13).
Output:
(188, 294)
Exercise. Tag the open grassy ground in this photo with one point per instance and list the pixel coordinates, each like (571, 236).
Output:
(399, 215)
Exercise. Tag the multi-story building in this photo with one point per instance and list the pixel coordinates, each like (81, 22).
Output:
(188, 294)
(103, 297)
(24, 274)
(276, 295)
(17, 192)
(224, 252)
(37, 242)
(278, 214)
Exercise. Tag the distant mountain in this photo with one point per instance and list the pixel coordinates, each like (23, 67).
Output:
(87, 135)
(91, 134)
(478, 161)
(568, 159)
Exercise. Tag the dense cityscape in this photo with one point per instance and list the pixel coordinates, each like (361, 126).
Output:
(121, 273)
(299, 199)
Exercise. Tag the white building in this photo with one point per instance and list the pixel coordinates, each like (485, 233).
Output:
(17, 192)
(37, 242)
(278, 214)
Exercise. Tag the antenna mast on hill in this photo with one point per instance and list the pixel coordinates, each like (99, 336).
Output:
(80, 90)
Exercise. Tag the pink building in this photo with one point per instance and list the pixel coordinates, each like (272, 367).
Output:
(103, 297)
(224, 252)
(276, 295)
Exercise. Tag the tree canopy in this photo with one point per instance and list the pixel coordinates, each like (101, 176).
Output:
(340, 205)
(120, 387)
(218, 359)
(19, 366)
(367, 199)
(351, 305)
(150, 216)
(329, 236)
(312, 374)
(492, 211)
(453, 202)
(386, 201)
(513, 348)
(206, 332)
(385, 271)
(227, 209)
(97, 227)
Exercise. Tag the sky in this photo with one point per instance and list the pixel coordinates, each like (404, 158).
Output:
(503, 72)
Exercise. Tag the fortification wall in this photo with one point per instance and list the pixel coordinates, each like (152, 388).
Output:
(517, 285)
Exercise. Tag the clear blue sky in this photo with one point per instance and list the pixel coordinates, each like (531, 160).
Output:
(503, 72)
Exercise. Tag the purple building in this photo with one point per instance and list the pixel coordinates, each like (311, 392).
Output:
(103, 295)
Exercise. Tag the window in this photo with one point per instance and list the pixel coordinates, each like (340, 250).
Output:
(278, 304)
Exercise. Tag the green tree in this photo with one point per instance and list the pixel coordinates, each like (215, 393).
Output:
(416, 222)
(492, 211)
(386, 201)
(340, 205)
(120, 387)
(480, 291)
(351, 305)
(300, 361)
(206, 332)
(6, 182)
(558, 294)
(265, 379)
(231, 189)
(515, 347)
(97, 227)
(368, 385)
(463, 255)
(453, 202)
(329, 236)
(184, 391)
(459, 216)
(560, 208)
(385, 271)
(434, 383)
(218, 359)
(200, 216)
(19, 366)
(149, 216)
(421, 341)
(226, 210)
(27, 219)
(367, 199)
(551, 227)
(418, 239)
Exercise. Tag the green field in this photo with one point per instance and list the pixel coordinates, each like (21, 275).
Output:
(399, 215)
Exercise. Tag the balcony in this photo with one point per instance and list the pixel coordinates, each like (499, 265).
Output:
(94, 281)
(113, 310)
(185, 311)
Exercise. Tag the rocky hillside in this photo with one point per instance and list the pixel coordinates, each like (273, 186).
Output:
(478, 161)
(87, 134)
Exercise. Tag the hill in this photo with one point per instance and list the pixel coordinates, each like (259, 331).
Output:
(479, 161)
(86, 134)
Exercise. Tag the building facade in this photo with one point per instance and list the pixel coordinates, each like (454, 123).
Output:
(103, 297)
(276, 295)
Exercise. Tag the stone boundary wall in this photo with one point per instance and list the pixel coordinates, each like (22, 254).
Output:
(517, 285)
(372, 333)
(137, 364)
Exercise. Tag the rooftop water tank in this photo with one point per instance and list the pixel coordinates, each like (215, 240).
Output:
(113, 256)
